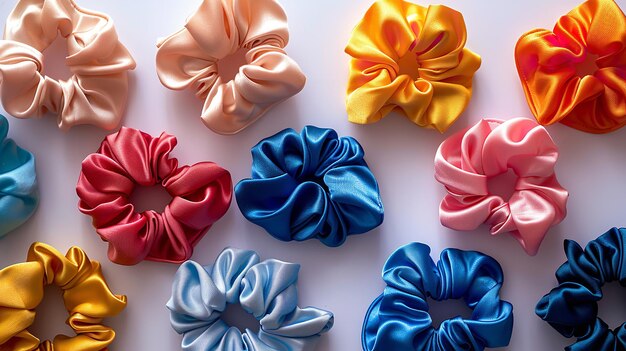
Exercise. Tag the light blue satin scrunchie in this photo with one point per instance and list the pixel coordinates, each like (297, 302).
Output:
(19, 194)
(398, 319)
(266, 289)
(310, 185)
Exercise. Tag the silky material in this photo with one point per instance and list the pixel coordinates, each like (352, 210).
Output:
(265, 289)
(312, 184)
(189, 59)
(572, 307)
(19, 191)
(550, 67)
(466, 161)
(96, 94)
(398, 319)
(412, 59)
(201, 194)
(87, 298)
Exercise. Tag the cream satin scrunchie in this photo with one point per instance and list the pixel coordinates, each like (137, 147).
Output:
(96, 93)
(219, 28)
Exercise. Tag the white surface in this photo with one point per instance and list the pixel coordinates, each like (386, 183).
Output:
(344, 280)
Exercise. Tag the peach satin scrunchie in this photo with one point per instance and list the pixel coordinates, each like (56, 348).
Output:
(218, 29)
(547, 63)
(467, 160)
(412, 59)
(86, 296)
(96, 94)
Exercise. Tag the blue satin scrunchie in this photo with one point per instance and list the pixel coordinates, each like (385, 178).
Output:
(572, 307)
(398, 319)
(267, 290)
(19, 195)
(310, 185)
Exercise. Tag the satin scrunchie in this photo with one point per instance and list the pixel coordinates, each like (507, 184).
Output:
(219, 28)
(266, 290)
(413, 59)
(86, 295)
(547, 62)
(201, 195)
(96, 93)
(572, 307)
(19, 193)
(398, 319)
(310, 185)
(466, 161)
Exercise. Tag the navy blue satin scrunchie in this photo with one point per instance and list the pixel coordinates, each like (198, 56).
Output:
(398, 319)
(19, 194)
(310, 185)
(572, 307)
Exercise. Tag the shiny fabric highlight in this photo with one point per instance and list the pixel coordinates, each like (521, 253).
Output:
(312, 184)
(412, 59)
(466, 161)
(96, 93)
(19, 191)
(86, 295)
(267, 290)
(398, 319)
(572, 307)
(549, 65)
(189, 58)
(201, 194)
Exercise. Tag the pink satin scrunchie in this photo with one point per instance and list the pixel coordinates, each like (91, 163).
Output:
(465, 162)
(219, 28)
(97, 92)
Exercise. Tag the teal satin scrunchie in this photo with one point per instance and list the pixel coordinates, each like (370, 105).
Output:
(19, 194)
(399, 320)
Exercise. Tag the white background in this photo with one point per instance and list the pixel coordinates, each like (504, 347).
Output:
(344, 280)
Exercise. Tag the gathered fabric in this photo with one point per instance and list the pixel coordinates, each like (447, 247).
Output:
(466, 161)
(96, 93)
(201, 195)
(265, 289)
(412, 59)
(550, 67)
(189, 59)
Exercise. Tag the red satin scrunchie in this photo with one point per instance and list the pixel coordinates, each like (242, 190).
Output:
(201, 195)
(547, 63)
(467, 160)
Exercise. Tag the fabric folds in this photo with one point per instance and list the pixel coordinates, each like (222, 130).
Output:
(412, 59)
(551, 68)
(189, 59)
(312, 184)
(19, 192)
(572, 307)
(265, 289)
(398, 319)
(96, 93)
(86, 295)
(466, 161)
(201, 194)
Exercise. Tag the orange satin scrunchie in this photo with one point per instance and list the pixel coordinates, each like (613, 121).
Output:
(547, 63)
(97, 92)
(85, 293)
(219, 28)
(413, 59)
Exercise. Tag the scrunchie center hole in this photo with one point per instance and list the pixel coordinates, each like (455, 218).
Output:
(54, 56)
(146, 198)
(612, 307)
(236, 316)
(440, 311)
(228, 67)
(588, 67)
(503, 185)
(409, 65)
(50, 316)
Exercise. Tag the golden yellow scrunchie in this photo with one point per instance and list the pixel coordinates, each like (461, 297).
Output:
(410, 58)
(85, 293)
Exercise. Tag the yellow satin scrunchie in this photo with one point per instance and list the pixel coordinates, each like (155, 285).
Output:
(85, 293)
(413, 59)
